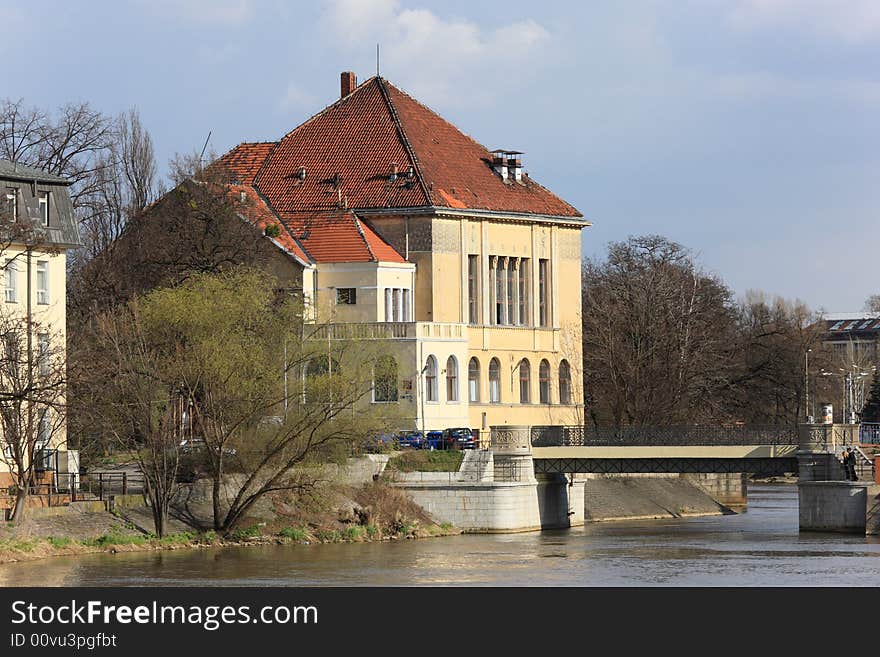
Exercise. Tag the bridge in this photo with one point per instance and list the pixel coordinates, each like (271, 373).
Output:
(756, 450)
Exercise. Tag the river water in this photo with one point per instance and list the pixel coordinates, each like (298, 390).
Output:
(761, 547)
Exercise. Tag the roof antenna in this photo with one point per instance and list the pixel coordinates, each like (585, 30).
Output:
(377, 60)
(202, 154)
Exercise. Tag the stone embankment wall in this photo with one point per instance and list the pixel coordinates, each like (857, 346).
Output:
(630, 497)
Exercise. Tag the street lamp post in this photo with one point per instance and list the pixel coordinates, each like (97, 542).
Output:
(807, 386)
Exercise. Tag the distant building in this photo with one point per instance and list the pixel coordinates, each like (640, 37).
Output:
(853, 337)
(409, 231)
(36, 204)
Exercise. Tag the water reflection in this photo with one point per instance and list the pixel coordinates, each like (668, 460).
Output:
(759, 547)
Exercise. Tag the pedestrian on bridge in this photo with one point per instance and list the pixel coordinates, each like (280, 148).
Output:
(850, 462)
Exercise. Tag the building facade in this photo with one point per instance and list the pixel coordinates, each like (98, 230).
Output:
(411, 232)
(38, 227)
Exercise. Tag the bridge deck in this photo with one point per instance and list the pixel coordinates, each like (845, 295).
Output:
(667, 452)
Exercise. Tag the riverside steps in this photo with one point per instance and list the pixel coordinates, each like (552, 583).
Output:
(536, 477)
(827, 500)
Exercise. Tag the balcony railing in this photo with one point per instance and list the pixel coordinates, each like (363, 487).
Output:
(387, 331)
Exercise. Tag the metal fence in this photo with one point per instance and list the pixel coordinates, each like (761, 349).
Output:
(581, 436)
(100, 485)
(869, 433)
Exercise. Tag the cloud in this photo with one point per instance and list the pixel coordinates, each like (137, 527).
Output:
(433, 57)
(853, 21)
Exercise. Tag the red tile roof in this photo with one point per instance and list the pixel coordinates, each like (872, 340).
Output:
(254, 209)
(243, 161)
(349, 151)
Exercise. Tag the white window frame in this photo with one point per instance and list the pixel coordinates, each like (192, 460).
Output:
(43, 291)
(43, 200)
(11, 280)
(43, 347)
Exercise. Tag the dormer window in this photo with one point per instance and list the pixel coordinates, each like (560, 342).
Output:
(11, 201)
(44, 208)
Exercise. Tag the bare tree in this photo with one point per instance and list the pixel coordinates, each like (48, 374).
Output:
(656, 335)
(32, 402)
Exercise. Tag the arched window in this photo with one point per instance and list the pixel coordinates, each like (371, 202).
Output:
(525, 381)
(385, 380)
(544, 381)
(431, 379)
(451, 379)
(494, 381)
(474, 380)
(564, 382)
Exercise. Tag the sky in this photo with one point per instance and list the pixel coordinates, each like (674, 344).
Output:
(746, 130)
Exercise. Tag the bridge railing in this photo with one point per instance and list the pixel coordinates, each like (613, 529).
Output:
(581, 436)
(869, 433)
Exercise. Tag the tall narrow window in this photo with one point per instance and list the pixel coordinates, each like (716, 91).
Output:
(500, 301)
(397, 305)
(525, 381)
(474, 380)
(524, 292)
(44, 430)
(407, 316)
(44, 208)
(11, 202)
(11, 281)
(42, 281)
(511, 291)
(431, 379)
(473, 289)
(43, 353)
(389, 311)
(543, 286)
(493, 291)
(385, 380)
(452, 379)
(494, 381)
(544, 382)
(564, 382)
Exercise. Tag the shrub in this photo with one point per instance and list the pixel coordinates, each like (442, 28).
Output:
(293, 533)
(59, 541)
(246, 533)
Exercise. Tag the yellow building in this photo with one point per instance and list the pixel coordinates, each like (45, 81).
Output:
(38, 228)
(411, 232)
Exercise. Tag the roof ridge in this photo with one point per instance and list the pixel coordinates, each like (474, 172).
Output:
(404, 140)
(360, 230)
(471, 139)
(275, 214)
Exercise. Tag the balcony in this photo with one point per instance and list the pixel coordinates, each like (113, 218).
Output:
(388, 331)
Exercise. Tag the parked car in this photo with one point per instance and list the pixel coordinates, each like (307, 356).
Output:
(434, 440)
(413, 439)
(459, 438)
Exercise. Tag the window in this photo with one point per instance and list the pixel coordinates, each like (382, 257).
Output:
(43, 198)
(385, 380)
(524, 292)
(474, 289)
(543, 282)
(544, 382)
(406, 306)
(451, 379)
(525, 381)
(494, 381)
(43, 353)
(11, 281)
(12, 202)
(346, 296)
(389, 311)
(493, 286)
(42, 281)
(44, 430)
(511, 291)
(564, 383)
(474, 380)
(431, 379)
(500, 284)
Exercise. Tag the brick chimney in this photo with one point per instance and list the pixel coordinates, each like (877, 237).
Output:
(348, 83)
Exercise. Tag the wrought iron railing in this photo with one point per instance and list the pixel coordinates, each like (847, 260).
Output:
(869, 433)
(729, 435)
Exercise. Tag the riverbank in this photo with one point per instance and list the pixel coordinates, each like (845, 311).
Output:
(369, 513)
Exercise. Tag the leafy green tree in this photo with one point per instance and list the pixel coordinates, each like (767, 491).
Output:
(265, 392)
